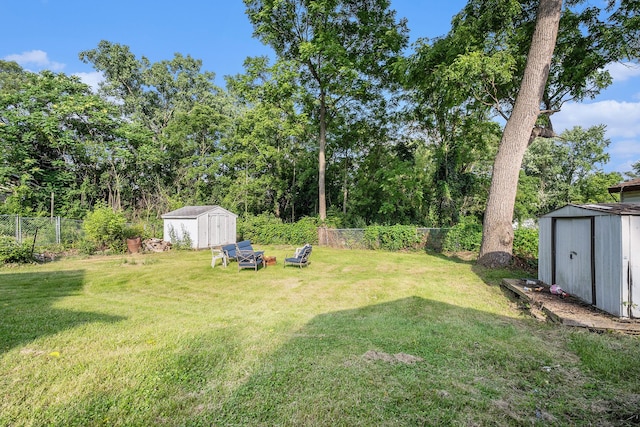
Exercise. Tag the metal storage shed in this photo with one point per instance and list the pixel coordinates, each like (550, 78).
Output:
(593, 252)
(206, 226)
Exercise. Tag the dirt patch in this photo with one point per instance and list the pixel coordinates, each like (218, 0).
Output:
(392, 358)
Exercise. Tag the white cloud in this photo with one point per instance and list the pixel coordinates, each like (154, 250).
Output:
(621, 118)
(622, 128)
(622, 71)
(626, 148)
(93, 79)
(37, 58)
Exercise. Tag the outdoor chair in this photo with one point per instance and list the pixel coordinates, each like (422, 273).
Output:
(232, 252)
(229, 252)
(217, 254)
(300, 258)
(249, 259)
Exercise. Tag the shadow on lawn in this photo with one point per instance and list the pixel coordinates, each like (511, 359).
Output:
(407, 362)
(26, 306)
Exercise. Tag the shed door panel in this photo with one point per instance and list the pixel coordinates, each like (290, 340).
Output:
(573, 257)
(217, 230)
(634, 265)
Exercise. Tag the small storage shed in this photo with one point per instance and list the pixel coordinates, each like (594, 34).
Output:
(593, 252)
(206, 226)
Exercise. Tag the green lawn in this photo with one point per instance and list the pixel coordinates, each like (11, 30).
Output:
(164, 339)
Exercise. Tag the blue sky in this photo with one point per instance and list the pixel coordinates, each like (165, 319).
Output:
(49, 34)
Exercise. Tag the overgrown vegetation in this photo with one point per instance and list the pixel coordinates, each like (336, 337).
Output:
(392, 238)
(163, 339)
(107, 229)
(525, 243)
(269, 230)
(14, 252)
(160, 135)
(466, 235)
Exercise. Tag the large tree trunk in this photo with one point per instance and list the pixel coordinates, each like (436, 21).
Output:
(497, 237)
(322, 161)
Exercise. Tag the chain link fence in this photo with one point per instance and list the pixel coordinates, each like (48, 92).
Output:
(41, 231)
(354, 238)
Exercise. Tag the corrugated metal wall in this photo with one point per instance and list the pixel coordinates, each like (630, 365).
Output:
(616, 257)
(608, 259)
(631, 266)
(544, 250)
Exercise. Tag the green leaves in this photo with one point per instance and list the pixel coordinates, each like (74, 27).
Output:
(340, 49)
(567, 169)
(49, 121)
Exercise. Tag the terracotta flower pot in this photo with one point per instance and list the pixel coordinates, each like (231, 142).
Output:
(134, 245)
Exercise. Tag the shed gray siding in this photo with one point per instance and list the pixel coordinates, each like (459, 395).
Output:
(608, 256)
(631, 265)
(545, 250)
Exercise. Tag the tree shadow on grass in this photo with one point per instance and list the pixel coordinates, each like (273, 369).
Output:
(26, 306)
(467, 258)
(408, 362)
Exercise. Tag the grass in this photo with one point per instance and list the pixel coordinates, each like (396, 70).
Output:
(163, 339)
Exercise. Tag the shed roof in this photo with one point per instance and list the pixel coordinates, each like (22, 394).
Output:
(630, 185)
(608, 208)
(193, 211)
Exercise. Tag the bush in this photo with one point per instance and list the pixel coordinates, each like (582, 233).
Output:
(464, 236)
(86, 247)
(392, 238)
(525, 245)
(266, 229)
(14, 252)
(106, 228)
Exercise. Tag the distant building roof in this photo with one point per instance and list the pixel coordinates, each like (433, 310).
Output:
(192, 211)
(631, 185)
(613, 208)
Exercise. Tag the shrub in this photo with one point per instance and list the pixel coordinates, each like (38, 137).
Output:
(525, 245)
(14, 252)
(266, 229)
(105, 228)
(86, 247)
(464, 236)
(391, 238)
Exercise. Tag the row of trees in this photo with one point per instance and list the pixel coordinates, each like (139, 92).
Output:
(343, 124)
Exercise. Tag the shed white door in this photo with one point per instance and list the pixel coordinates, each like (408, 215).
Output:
(217, 229)
(573, 256)
(634, 265)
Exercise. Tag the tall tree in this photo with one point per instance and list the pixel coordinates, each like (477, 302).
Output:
(497, 236)
(176, 119)
(580, 48)
(270, 135)
(635, 172)
(344, 50)
(49, 126)
(565, 169)
(491, 53)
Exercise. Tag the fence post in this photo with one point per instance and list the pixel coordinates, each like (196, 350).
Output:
(18, 229)
(58, 230)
